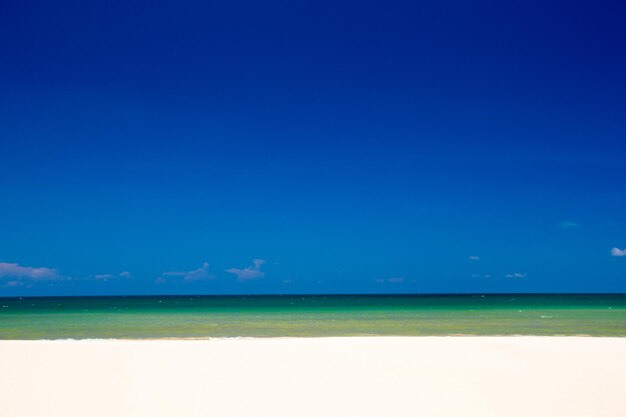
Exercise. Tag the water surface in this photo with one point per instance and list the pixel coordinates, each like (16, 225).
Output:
(310, 316)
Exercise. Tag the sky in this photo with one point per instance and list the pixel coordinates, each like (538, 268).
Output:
(239, 147)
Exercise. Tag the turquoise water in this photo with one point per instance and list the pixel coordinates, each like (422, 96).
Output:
(309, 316)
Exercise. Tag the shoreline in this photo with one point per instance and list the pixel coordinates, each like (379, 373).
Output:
(374, 336)
(441, 376)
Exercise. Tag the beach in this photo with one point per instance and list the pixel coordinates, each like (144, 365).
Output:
(335, 376)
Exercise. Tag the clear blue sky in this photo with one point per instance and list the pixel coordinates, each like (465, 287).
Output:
(294, 147)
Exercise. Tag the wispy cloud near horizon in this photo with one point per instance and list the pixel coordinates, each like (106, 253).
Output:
(18, 275)
(251, 272)
(16, 271)
(390, 280)
(200, 274)
(618, 252)
(106, 277)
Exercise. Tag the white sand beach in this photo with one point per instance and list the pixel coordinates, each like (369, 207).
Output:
(374, 376)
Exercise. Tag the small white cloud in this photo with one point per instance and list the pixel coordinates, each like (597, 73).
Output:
(106, 277)
(516, 275)
(287, 281)
(391, 280)
(200, 274)
(568, 225)
(474, 258)
(618, 252)
(103, 277)
(481, 276)
(251, 272)
(160, 280)
(18, 272)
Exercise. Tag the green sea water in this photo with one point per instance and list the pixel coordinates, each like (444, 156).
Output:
(310, 316)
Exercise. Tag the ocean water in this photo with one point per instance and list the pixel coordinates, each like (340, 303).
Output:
(310, 316)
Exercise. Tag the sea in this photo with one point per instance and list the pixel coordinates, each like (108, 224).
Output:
(208, 316)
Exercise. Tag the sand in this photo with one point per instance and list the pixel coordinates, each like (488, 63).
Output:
(376, 376)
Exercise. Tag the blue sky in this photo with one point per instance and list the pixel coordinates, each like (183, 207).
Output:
(312, 147)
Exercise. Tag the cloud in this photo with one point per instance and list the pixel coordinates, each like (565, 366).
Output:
(160, 280)
(251, 272)
(474, 258)
(516, 275)
(391, 280)
(568, 225)
(103, 277)
(19, 275)
(106, 277)
(618, 252)
(481, 276)
(18, 272)
(200, 274)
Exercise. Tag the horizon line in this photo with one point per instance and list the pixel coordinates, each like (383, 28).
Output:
(425, 294)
